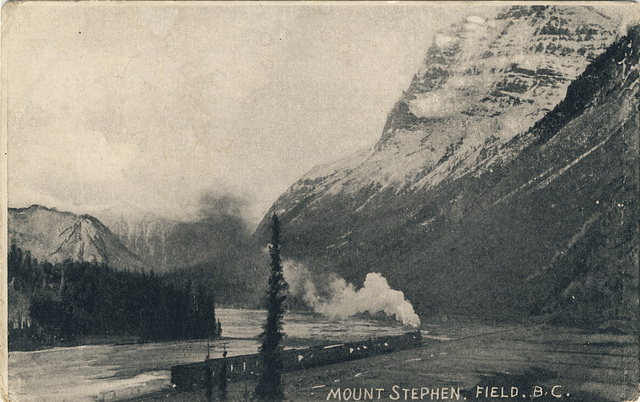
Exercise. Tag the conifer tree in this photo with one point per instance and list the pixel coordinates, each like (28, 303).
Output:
(269, 386)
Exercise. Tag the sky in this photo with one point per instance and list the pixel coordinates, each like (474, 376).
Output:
(119, 108)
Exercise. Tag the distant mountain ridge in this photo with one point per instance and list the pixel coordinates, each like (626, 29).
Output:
(168, 245)
(147, 237)
(465, 204)
(54, 236)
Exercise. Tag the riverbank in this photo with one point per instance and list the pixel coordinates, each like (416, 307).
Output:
(509, 362)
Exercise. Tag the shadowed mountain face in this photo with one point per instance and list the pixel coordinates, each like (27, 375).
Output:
(220, 237)
(464, 206)
(168, 245)
(55, 236)
(216, 250)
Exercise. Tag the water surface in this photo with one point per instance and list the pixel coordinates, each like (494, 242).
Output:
(105, 372)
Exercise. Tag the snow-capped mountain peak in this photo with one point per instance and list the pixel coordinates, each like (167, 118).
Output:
(482, 82)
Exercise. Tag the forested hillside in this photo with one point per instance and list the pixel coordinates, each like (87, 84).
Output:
(66, 302)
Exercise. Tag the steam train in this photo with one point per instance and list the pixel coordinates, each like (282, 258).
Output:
(187, 377)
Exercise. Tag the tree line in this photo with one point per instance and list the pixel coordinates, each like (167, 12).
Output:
(68, 301)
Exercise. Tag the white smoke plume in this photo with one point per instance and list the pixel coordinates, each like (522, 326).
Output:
(344, 300)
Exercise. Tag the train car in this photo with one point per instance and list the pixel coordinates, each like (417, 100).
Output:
(191, 376)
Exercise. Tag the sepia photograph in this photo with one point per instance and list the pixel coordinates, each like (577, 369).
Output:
(320, 201)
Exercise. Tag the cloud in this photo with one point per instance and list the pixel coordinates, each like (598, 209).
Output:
(151, 105)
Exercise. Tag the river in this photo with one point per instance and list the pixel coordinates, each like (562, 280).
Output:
(108, 372)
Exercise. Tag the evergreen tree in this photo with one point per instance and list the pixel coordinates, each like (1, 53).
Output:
(74, 299)
(269, 386)
(14, 262)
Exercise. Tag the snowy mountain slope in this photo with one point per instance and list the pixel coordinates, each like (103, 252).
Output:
(481, 84)
(55, 236)
(168, 245)
(470, 209)
(146, 236)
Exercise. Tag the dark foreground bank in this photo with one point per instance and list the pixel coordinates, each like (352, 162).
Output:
(511, 362)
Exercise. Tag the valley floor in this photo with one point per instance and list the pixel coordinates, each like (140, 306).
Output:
(510, 362)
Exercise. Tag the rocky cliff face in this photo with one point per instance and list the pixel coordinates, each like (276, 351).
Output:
(167, 245)
(481, 84)
(55, 236)
(462, 203)
(147, 238)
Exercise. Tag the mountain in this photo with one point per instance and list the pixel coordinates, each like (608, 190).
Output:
(216, 251)
(146, 236)
(497, 176)
(481, 84)
(167, 245)
(55, 236)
